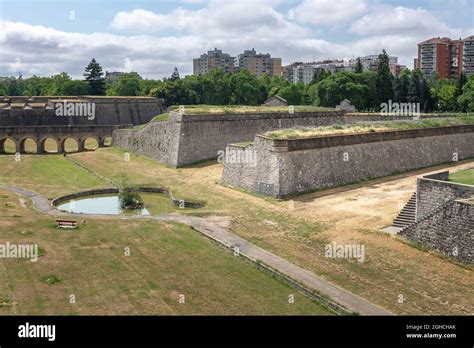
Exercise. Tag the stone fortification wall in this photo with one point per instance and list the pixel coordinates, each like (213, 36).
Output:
(39, 111)
(287, 167)
(448, 229)
(433, 192)
(201, 137)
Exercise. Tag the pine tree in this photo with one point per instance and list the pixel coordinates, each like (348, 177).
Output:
(383, 80)
(94, 76)
(319, 75)
(358, 67)
(175, 75)
(401, 85)
(460, 84)
(414, 88)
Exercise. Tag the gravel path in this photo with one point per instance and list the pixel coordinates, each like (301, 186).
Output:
(40, 203)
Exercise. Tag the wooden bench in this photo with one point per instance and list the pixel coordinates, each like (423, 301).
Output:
(67, 223)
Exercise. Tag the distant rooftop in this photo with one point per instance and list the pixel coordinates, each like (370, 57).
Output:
(445, 40)
(436, 40)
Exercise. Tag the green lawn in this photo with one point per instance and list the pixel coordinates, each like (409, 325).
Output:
(463, 177)
(161, 117)
(166, 260)
(52, 175)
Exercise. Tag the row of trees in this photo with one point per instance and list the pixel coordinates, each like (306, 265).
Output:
(60, 84)
(367, 90)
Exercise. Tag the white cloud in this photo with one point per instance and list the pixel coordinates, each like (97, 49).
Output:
(142, 20)
(50, 51)
(329, 12)
(175, 38)
(219, 19)
(402, 20)
(148, 21)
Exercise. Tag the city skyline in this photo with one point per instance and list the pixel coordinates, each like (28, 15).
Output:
(153, 38)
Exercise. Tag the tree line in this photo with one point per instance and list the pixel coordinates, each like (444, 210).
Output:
(367, 90)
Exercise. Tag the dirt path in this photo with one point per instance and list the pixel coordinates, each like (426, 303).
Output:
(210, 229)
(40, 203)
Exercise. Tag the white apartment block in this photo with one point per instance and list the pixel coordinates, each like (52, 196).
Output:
(304, 72)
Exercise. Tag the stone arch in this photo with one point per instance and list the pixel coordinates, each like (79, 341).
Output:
(83, 142)
(3, 145)
(107, 141)
(23, 144)
(43, 144)
(63, 144)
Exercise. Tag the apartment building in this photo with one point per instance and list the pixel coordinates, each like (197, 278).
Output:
(395, 69)
(445, 56)
(333, 66)
(298, 72)
(304, 72)
(468, 55)
(371, 62)
(258, 63)
(213, 60)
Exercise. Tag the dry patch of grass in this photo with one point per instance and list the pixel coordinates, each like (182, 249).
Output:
(337, 129)
(243, 109)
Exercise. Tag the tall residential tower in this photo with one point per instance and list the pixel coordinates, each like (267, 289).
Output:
(213, 60)
(448, 58)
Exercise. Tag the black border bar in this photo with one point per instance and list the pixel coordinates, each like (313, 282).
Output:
(242, 330)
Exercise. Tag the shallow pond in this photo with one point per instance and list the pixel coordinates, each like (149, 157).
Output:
(155, 204)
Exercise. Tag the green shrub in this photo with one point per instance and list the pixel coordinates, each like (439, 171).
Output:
(129, 197)
(50, 279)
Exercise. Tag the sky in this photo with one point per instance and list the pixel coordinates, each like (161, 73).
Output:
(152, 37)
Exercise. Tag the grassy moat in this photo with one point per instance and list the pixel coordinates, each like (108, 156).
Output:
(169, 259)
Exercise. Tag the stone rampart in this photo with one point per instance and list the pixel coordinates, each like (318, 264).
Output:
(39, 111)
(189, 138)
(290, 166)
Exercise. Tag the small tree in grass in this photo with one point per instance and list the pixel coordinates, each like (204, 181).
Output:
(129, 197)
